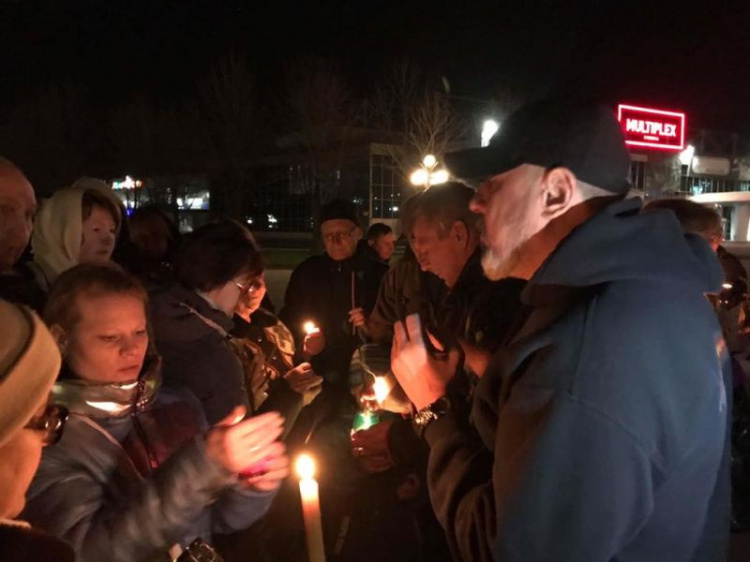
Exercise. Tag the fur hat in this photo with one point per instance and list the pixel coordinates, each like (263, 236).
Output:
(29, 364)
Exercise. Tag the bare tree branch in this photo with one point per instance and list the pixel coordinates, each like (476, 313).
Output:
(417, 115)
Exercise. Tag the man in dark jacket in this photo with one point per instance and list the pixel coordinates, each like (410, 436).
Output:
(335, 290)
(601, 428)
(444, 235)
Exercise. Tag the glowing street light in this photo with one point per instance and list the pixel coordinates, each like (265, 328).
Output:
(427, 175)
(420, 177)
(489, 128)
(686, 156)
(439, 176)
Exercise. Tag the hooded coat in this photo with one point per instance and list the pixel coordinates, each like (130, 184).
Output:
(58, 230)
(130, 477)
(600, 430)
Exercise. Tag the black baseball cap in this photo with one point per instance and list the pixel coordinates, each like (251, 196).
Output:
(582, 136)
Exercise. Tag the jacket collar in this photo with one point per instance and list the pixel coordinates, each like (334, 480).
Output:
(112, 399)
(202, 306)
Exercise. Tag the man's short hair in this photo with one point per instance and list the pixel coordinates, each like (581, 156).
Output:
(377, 230)
(92, 280)
(215, 254)
(442, 206)
(694, 217)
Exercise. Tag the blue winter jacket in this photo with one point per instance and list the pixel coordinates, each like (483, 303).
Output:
(133, 506)
(600, 431)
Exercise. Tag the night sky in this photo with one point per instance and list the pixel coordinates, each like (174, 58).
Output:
(666, 54)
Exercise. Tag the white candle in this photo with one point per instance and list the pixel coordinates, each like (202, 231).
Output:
(308, 491)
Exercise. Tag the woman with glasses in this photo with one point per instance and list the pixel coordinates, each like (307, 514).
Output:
(29, 362)
(138, 474)
(277, 377)
(192, 319)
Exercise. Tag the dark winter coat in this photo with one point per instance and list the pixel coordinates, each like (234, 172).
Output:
(404, 290)
(601, 429)
(267, 352)
(475, 309)
(320, 290)
(20, 543)
(19, 286)
(192, 338)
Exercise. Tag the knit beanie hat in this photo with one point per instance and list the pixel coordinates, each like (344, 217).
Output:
(339, 209)
(29, 364)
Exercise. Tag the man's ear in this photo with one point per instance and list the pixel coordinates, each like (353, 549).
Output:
(559, 192)
(60, 337)
(357, 234)
(371, 243)
(459, 232)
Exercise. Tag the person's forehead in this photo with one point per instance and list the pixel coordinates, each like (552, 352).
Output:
(337, 225)
(101, 215)
(15, 187)
(94, 307)
(424, 226)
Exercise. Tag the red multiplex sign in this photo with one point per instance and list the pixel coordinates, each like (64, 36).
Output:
(654, 128)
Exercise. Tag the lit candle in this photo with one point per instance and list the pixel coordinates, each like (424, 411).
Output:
(366, 418)
(310, 328)
(382, 389)
(308, 491)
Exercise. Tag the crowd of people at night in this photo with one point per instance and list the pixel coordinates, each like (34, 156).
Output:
(564, 371)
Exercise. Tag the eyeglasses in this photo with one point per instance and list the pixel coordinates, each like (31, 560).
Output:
(254, 285)
(337, 236)
(51, 422)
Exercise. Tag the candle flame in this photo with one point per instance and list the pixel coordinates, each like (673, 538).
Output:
(727, 285)
(381, 389)
(305, 467)
(310, 328)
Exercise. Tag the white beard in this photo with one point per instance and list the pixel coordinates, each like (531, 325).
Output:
(500, 262)
(497, 266)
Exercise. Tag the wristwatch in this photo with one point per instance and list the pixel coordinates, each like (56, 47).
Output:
(429, 414)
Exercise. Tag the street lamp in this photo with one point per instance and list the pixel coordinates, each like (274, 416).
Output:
(427, 174)
(686, 156)
(489, 128)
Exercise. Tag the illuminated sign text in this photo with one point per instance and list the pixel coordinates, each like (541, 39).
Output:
(653, 128)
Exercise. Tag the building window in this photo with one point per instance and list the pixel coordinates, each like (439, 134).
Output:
(386, 187)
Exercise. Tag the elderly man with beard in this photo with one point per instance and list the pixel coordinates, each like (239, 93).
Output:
(600, 430)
